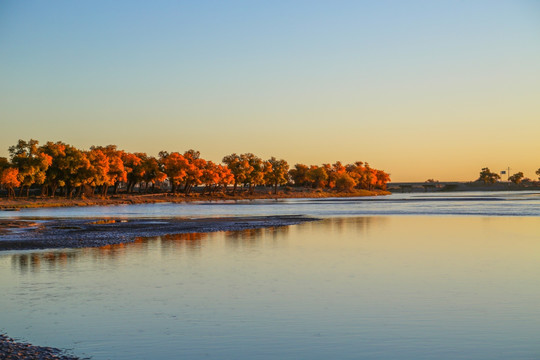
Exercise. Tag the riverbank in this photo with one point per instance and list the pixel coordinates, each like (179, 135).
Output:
(13, 350)
(121, 199)
(97, 232)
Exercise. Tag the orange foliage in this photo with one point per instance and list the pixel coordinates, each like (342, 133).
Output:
(9, 178)
(62, 166)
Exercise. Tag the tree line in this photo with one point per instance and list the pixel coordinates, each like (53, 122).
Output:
(489, 177)
(60, 168)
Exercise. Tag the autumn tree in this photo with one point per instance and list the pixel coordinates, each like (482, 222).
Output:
(76, 171)
(134, 168)
(517, 178)
(317, 176)
(55, 175)
(488, 177)
(152, 172)
(345, 182)
(62, 166)
(226, 177)
(239, 167)
(258, 170)
(299, 175)
(70, 168)
(174, 165)
(334, 171)
(98, 172)
(369, 178)
(30, 163)
(278, 174)
(9, 178)
(382, 179)
(357, 172)
(117, 172)
(4, 163)
(194, 170)
(210, 177)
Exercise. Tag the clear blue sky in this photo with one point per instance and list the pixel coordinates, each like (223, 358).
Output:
(421, 89)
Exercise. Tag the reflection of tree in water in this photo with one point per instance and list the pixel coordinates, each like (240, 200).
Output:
(360, 224)
(48, 260)
(253, 237)
(189, 241)
(114, 251)
(192, 242)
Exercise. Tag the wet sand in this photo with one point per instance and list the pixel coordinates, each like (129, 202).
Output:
(96, 232)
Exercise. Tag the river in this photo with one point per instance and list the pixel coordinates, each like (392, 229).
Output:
(412, 276)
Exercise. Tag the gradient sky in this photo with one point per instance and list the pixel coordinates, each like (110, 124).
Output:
(421, 89)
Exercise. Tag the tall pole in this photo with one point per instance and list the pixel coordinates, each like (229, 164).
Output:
(508, 175)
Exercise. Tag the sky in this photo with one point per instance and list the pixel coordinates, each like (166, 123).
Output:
(420, 89)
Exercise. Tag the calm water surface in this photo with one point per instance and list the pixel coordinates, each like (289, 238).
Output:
(465, 203)
(355, 287)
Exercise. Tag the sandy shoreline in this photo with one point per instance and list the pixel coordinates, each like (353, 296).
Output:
(14, 350)
(38, 201)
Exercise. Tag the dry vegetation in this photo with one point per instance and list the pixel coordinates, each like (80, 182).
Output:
(43, 201)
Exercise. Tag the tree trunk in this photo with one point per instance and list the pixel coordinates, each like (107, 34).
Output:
(53, 190)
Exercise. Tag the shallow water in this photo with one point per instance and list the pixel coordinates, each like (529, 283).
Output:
(512, 203)
(375, 287)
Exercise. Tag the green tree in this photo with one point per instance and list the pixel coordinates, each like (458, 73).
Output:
(517, 178)
(488, 177)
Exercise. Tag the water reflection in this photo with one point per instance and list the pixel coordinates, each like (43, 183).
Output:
(191, 243)
(369, 287)
(34, 262)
